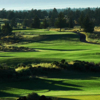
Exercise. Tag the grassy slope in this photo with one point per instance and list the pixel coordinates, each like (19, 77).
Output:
(62, 45)
(64, 85)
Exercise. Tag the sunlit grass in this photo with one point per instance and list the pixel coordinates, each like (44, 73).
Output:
(54, 86)
(66, 45)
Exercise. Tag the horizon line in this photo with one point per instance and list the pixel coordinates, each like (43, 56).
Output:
(50, 8)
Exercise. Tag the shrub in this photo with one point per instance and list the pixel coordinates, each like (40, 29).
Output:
(22, 65)
(63, 61)
(43, 98)
(23, 71)
(55, 63)
(22, 98)
(33, 96)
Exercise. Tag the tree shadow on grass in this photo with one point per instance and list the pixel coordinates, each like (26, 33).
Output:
(62, 49)
(71, 37)
(6, 56)
(74, 75)
(64, 98)
(40, 85)
(3, 94)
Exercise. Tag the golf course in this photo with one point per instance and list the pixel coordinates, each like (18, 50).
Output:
(44, 47)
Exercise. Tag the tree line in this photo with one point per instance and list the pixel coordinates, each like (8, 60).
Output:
(86, 18)
(61, 21)
(94, 14)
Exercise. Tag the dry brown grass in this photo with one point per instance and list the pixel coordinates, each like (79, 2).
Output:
(54, 29)
(97, 29)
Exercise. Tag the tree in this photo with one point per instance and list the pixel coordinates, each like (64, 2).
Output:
(45, 24)
(61, 22)
(6, 29)
(13, 22)
(88, 25)
(71, 25)
(54, 13)
(52, 21)
(25, 22)
(36, 22)
(0, 27)
(80, 20)
(10, 15)
(3, 13)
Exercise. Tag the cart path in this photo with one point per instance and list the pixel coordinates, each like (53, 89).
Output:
(83, 38)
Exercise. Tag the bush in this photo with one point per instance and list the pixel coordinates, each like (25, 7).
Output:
(63, 61)
(22, 98)
(33, 96)
(23, 72)
(55, 63)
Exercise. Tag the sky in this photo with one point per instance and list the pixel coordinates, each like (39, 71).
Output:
(46, 4)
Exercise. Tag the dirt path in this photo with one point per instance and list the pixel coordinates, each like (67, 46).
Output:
(83, 38)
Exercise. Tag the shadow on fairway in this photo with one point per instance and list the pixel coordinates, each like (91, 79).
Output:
(3, 94)
(74, 75)
(65, 99)
(40, 85)
(6, 56)
(71, 37)
(61, 49)
(68, 37)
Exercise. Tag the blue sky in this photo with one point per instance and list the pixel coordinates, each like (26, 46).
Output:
(46, 4)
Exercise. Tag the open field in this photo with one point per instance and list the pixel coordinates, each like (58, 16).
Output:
(51, 46)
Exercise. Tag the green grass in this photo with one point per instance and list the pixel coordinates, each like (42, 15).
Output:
(38, 32)
(64, 84)
(57, 46)
(50, 46)
(89, 97)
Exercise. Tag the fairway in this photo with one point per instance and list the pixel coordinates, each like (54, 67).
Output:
(54, 46)
(58, 45)
(74, 85)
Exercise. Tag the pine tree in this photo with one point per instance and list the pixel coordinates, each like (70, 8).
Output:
(61, 22)
(13, 22)
(52, 21)
(6, 30)
(54, 13)
(45, 24)
(88, 25)
(36, 22)
(25, 22)
(71, 25)
(80, 20)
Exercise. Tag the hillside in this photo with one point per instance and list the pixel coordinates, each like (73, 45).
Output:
(56, 82)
